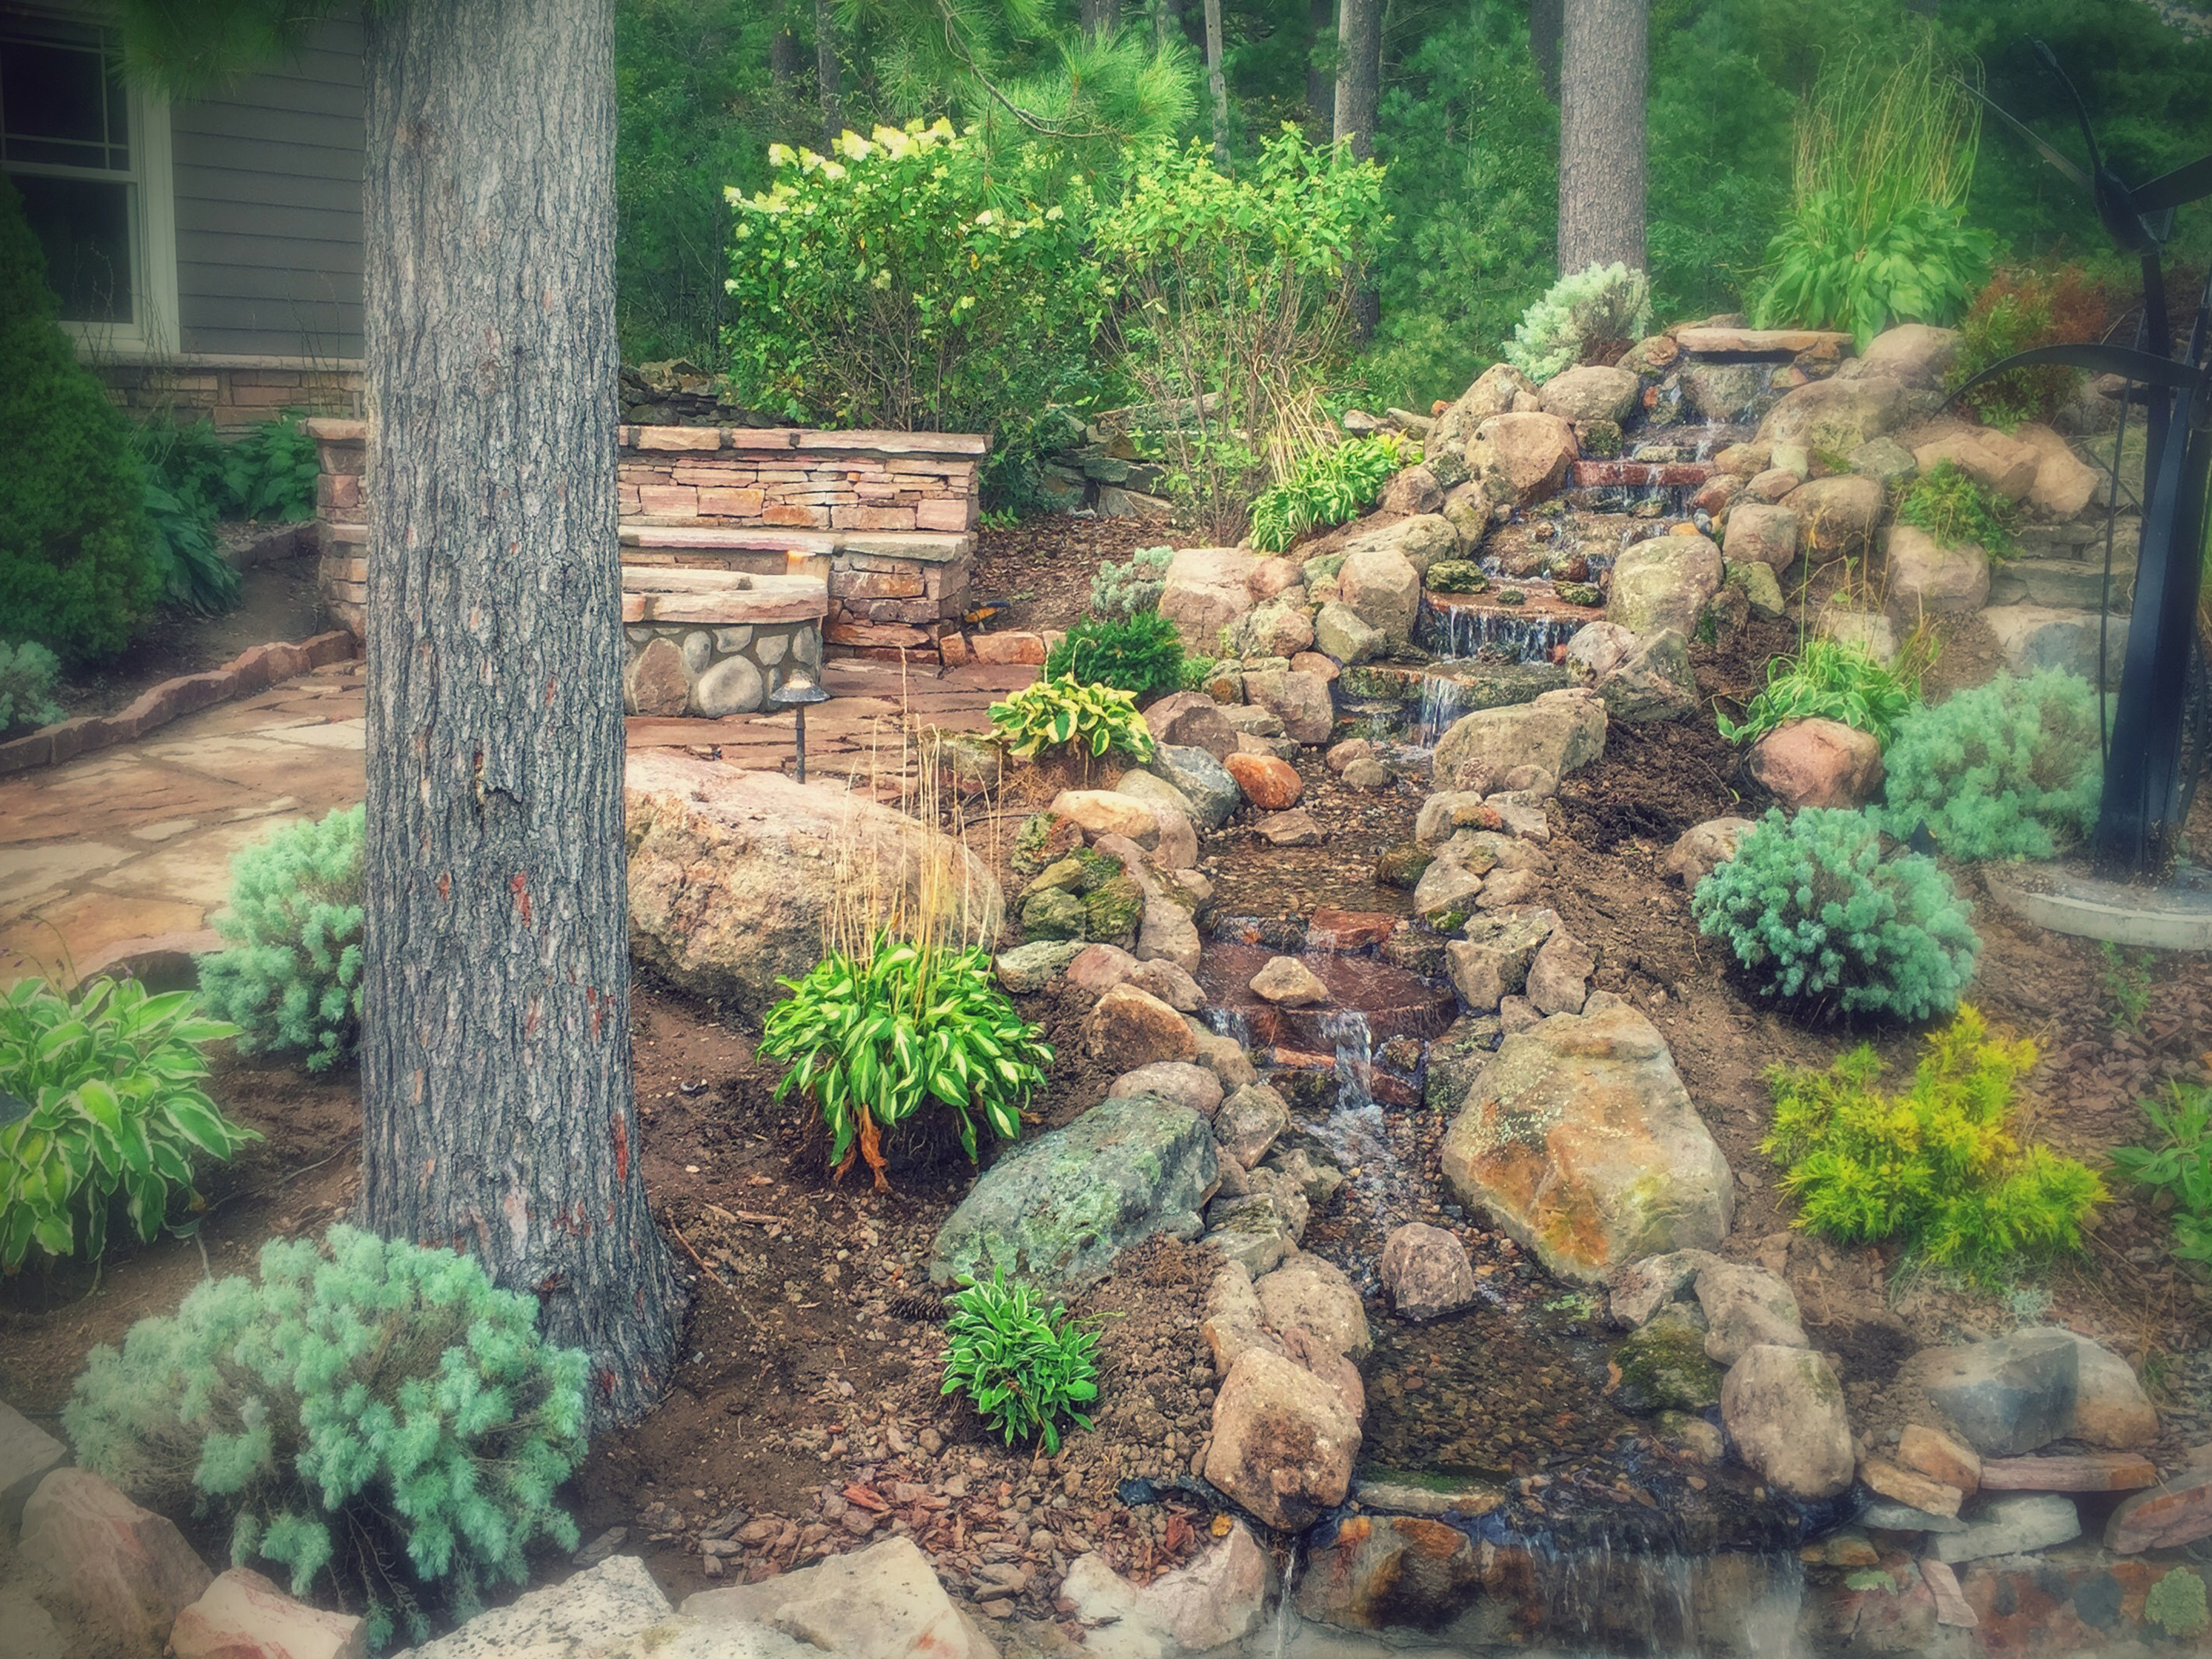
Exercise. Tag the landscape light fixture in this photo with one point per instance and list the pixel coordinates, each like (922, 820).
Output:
(798, 688)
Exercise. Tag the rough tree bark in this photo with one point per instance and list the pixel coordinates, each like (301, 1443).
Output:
(496, 1104)
(1321, 84)
(1358, 73)
(1215, 85)
(1604, 59)
(783, 60)
(1099, 16)
(1546, 18)
(828, 72)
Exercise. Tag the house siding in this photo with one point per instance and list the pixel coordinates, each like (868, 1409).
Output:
(268, 184)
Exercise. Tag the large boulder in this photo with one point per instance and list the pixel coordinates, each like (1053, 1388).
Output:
(1493, 392)
(1283, 1443)
(1492, 962)
(123, 1573)
(1913, 353)
(1838, 414)
(1817, 763)
(1134, 1028)
(1559, 733)
(1759, 533)
(2004, 1397)
(1663, 582)
(1191, 720)
(1220, 1598)
(1344, 635)
(1426, 1272)
(1200, 778)
(1420, 540)
(2065, 485)
(1108, 812)
(1520, 459)
(1205, 589)
(1057, 1211)
(732, 874)
(27, 1452)
(1301, 702)
(1653, 682)
(611, 1611)
(244, 1616)
(1579, 1139)
(1315, 1295)
(1278, 628)
(1591, 393)
(1837, 515)
(1380, 585)
(882, 1602)
(2002, 465)
(2034, 637)
(1928, 579)
(1783, 1410)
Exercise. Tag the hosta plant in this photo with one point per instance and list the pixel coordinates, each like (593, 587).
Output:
(874, 1041)
(1024, 1367)
(1329, 487)
(117, 1113)
(1060, 714)
(1828, 680)
(374, 1417)
(1920, 266)
(1819, 919)
(291, 979)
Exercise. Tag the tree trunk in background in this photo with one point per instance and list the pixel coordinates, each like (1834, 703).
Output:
(497, 1116)
(1321, 84)
(1358, 73)
(828, 73)
(783, 61)
(1215, 85)
(1547, 20)
(1603, 61)
(1099, 16)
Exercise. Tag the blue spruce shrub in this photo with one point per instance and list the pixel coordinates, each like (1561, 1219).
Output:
(2008, 770)
(375, 1417)
(27, 684)
(1818, 919)
(291, 979)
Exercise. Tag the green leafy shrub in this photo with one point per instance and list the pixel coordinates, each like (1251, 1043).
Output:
(1918, 267)
(2007, 770)
(27, 684)
(1021, 1367)
(1947, 504)
(874, 1041)
(113, 1078)
(1597, 313)
(77, 568)
(1196, 670)
(185, 494)
(2179, 1166)
(2016, 312)
(914, 280)
(2176, 1603)
(372, 1416)
(1330, 486)
(1126, 590)
(270, 473)
(1140, 654)
(1060, 712)
(291, 979)
(1937, 1167)
(1828, 680)
(1820, 921)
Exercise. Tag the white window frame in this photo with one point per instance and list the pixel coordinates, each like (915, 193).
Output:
(153, 331)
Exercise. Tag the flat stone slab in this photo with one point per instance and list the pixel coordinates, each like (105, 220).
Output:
(1757, 342)
(27, 1452)
(2070, 1472)
(2174, 915)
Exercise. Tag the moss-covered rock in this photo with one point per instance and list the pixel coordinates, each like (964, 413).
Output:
(1402, 867)
(1588, 593)
(1664, 1366)
(1053, 914)
(1456, 576)
(1113, 910)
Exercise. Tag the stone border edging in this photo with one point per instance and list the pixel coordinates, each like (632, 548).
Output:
(255, 669)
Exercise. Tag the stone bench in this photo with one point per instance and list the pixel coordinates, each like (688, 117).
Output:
(714, 642)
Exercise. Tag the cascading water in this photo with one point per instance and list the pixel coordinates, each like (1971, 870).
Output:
(1466, 631)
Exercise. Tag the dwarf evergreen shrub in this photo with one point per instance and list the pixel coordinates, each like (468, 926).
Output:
(1125, 590)
(76, 565)
(291, 979)
(1140, 654)
(1605, 305)
(374, 1416)
(26, 682)
(2007, 770)
(1819, 920)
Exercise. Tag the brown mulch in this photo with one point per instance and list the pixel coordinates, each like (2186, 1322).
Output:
(1044, 565)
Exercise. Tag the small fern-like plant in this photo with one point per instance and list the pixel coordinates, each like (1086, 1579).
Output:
(2007, 770)
(375, 1416)
(1828, 680)
(1589, 311)
(1936, 1168)
(1820, 921)
(27, 684)
(1331, 486)
(1060, 714)
(1947, 504)
(2179, 1166)
(1022, 1367)
(1141, 654)
(1128, 589)
(291, 979)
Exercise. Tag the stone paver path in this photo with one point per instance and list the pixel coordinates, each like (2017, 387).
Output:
(106, 857)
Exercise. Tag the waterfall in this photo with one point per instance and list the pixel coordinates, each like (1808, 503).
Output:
(1464, 631)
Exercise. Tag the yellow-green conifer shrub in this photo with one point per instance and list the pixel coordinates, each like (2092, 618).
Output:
(372, 1416)
(1937, 1168)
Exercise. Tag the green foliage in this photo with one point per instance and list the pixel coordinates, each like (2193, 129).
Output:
(291, 979)
(873, 1042)
(270, 473)
(372, 1416)
(27, 684)
(1918, 267)
(1062, 713)
(2176, 1603)
(2007, 770)
(914, 281)
(1195, 671)
(2179, 1166)
(113, 1078)
(1821, 923)
(1935, 1168)
(78, 569)
(1455, 576)
(2018, 310)
(2126, 983)
(1023, 1368)
(1126, 590)
(193, 478)
(1602, 311)
(1332, 485)
(1828, 680)
(1140, 654)
(1947, 504)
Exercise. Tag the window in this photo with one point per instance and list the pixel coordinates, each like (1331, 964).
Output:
(89, 156)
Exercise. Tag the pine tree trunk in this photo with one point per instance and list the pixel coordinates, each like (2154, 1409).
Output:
(828, 73)
(1603, 63)
(495, 1055)
(1320, 85)
(783, 61)
(1547, 19)
(1215, 85)
(1099, 16)
(1358, 73)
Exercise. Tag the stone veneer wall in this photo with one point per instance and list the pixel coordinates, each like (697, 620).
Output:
(691, 668)
(893, 513)
(233, 396)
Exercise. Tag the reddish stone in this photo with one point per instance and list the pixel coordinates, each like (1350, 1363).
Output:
(1640, 475)
(1951, 1606)
(250, 670)
(876, 584)
(2070, 1472)
(70, 738)
(1012, 650)
(877, 634)
(658, 685)
(1939, 1456)
(1314, 662)
(1269, 782)
(323, 649)
(19, 754)
(124, 1572)
(954, 648)
(2178, 1513)
(244, 1616)
(1817, 763)
(1332, 929)
(956, 515)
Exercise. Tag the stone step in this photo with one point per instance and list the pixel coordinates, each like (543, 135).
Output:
(2062, 584)
(1757, 342)
(1640, 475)
(2034, 637)
(926, 546)
(2080, 538)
